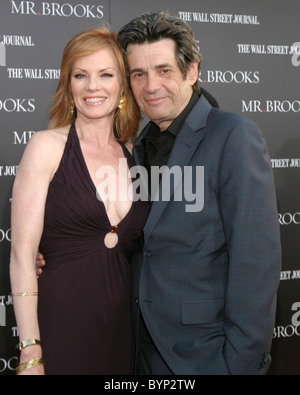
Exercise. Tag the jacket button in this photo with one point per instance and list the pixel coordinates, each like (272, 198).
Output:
(147, 253)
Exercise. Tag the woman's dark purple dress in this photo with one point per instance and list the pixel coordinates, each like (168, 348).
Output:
(84, 292)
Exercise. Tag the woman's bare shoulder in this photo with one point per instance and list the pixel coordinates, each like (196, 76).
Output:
(51, 136)
(45, 148)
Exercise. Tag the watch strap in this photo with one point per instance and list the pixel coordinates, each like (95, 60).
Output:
(26, 343)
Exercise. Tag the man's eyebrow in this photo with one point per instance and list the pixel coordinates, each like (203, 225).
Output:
(164, 66)
(158, 67)
(136, 71)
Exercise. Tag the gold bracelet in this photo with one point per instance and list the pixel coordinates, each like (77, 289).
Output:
(28, 365)
(26, 343)
(25, 294)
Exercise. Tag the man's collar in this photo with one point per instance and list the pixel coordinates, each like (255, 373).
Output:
(175, 126)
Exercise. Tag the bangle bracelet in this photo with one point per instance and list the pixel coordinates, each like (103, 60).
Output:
(28, 365)
(25, 294)
(26, 343)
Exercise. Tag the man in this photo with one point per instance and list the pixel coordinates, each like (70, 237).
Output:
(205, 277)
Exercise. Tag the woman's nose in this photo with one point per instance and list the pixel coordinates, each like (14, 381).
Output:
(93, 84)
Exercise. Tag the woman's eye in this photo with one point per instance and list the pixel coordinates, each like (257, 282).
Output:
(79, 76)
(107, 75)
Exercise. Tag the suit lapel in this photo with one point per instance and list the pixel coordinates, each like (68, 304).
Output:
(184, 148)
(139, 158)
(138, 148)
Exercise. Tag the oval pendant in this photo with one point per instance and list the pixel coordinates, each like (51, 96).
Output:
(111, 239)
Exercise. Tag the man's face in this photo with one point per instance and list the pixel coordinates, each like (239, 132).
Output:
(157, 82)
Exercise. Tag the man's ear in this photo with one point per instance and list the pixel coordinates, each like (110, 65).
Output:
(193, 73)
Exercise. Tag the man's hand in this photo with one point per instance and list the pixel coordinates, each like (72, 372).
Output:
(40, 263)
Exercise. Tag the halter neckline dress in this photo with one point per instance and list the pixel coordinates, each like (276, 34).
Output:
(84, 292)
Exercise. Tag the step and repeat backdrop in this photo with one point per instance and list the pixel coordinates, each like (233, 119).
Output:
(251, 65)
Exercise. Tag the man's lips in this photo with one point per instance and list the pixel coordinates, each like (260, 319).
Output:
(154, 101)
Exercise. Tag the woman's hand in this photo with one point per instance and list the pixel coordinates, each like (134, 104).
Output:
(40, 263)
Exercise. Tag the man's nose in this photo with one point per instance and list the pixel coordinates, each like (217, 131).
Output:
(153, 83)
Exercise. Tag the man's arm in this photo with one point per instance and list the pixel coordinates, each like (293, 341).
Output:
(250, 217)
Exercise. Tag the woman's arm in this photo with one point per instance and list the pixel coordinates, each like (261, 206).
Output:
(36, 170)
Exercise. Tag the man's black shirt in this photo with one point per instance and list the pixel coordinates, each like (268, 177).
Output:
(158, 145)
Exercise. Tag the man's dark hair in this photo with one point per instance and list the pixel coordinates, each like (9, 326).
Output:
(152, 27)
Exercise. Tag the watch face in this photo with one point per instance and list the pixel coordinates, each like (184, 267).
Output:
(24, 344)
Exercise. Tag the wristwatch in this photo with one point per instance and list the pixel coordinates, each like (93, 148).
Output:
(26, 343)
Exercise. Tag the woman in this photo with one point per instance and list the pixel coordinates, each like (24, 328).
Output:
(76, 318)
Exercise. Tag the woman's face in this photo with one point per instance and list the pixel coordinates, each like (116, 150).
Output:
(96, 85)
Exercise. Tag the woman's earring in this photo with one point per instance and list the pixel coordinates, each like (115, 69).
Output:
(122, 101)
(72, 106)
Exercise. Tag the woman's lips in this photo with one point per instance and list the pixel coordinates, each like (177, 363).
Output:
(94, 101)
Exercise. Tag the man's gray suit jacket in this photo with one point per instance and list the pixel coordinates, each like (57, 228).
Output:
(206, 281)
